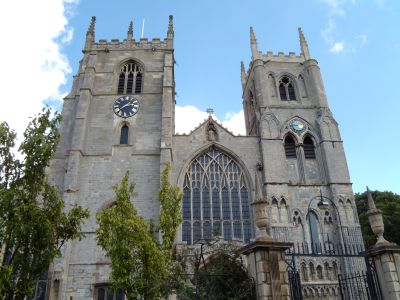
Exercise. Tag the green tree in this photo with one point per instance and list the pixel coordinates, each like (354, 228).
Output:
(33, 224)
(224, 276)
(140, 265)
(389, 203)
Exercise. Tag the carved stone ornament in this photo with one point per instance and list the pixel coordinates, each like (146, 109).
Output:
(375, 220)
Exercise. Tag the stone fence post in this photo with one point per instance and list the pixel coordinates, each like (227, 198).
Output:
(385, 255)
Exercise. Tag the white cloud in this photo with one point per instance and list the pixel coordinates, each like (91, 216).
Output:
(189, 117)
(337, 8)
(35, 67)
(337, 47)
(235, 122)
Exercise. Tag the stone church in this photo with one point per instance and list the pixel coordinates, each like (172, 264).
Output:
(120, 116)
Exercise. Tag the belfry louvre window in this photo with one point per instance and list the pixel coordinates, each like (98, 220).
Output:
(215, 199)
(286, 89)
(309, 149)
(290, 147)
(130, 78)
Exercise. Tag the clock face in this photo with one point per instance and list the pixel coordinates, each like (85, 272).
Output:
(297, 125)
(126, 106)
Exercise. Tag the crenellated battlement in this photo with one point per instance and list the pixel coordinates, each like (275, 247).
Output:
(282, 57)
(143, 43)
(129, 42)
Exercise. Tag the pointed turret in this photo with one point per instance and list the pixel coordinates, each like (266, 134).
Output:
(304, 45)
(253, 44)
(130, 31)
(90, 35)
(170, 33)
(243, 74)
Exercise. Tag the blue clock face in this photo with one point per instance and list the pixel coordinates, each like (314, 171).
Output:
(126, 106)
(297, 125)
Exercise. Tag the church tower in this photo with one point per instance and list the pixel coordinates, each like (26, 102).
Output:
(118, 117)
(304, 170)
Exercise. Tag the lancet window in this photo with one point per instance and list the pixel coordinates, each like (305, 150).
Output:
(215, 199)
(130, 78)
(123, 139)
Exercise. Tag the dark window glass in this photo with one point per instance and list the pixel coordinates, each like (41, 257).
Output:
(130, 78)
(124, 135)
(286, 89)
(309, 149)
(245, 203)
(210, 194)
(290, 147)
(216, 205)
(196, 232)
(237, 229)
(129, 84)
(101, 294)
(186, 234)
(207, 231)
(138, 83)
(227, 231)
(226, 210)
(315, 242)
(206, 204)
(292, 95)
(196, 204)
(235, 204)
(282, 91)
(186, 204)
(121, 83)
(217, 228)
(247, 231)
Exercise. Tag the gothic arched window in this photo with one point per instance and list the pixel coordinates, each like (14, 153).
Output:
(130, 78)
(290, 147)
(215, 199)
(123, 139)
(309, 149)
(286, 89)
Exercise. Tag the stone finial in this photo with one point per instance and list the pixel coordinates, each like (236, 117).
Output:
(243, 74)
(130, 31)
(260, 212)
(253, 44)
(304, 45)
(259, 193)
(170, 33)
(375, 220)
(90, 34)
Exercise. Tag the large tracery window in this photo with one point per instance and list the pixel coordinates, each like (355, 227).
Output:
(130, 78)
(215, 199)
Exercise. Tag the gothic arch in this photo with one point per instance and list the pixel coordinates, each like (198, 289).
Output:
(285, 129)
(117, 132)
(302, 86)
(117, 71)
(294, 81)
(216, 197)
(236, 158)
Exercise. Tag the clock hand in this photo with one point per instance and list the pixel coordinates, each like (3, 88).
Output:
(128, 104)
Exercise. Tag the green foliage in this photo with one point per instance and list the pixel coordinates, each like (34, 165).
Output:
(224, 276)
(170, 198)
(389, 203)
(33, 224)
(141, 266)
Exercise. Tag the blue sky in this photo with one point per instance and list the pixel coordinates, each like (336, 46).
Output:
(356, 43)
